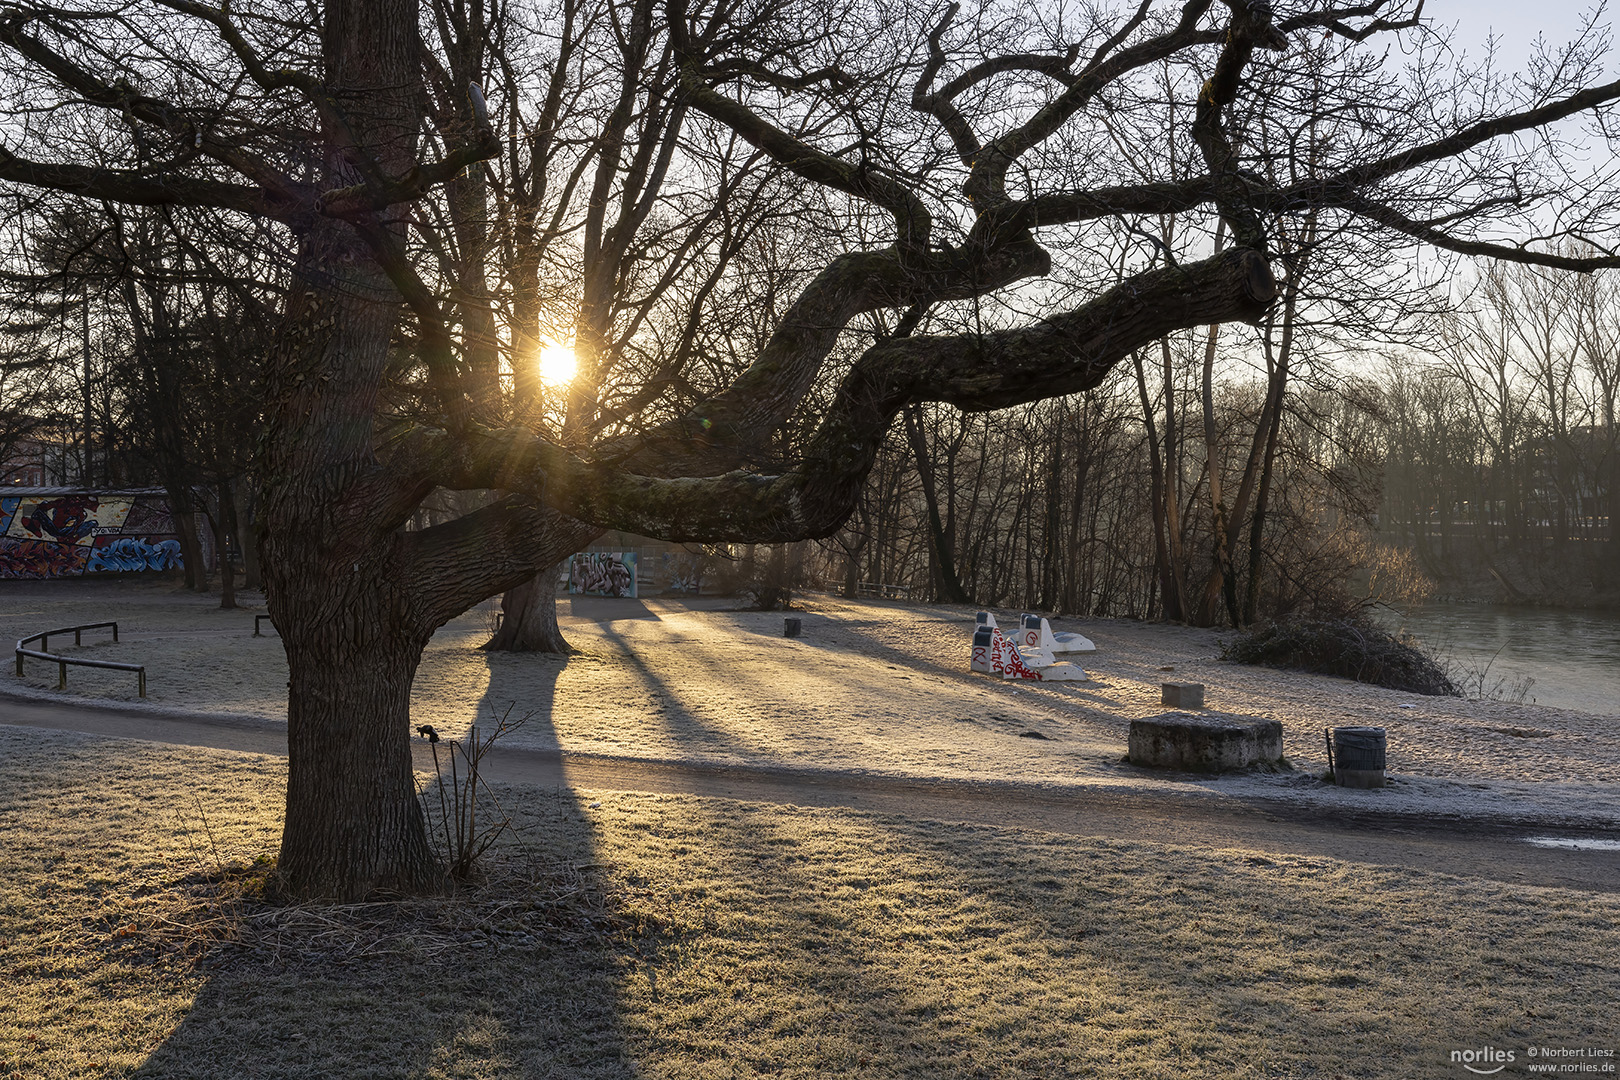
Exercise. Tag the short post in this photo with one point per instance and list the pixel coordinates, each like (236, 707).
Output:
(78, 635)
(115, 633)
(140, 681)
(19, 663)
(790, 627)
(61, 676)
(1182, 695)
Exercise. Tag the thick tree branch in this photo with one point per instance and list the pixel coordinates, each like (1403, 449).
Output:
(913, 222)
(1065, 354)
(119, 96)
(1250, 28)
(764, 396)
(372, 195)
(1063, 207)
(148, 189)
(986, 187)
(1453, 145)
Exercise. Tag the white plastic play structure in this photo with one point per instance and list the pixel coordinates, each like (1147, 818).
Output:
(1037, 633)
(1029, 654)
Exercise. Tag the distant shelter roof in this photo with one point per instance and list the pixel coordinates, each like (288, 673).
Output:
(11, 491)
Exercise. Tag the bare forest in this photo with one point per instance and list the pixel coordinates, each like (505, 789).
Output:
(1476, 459)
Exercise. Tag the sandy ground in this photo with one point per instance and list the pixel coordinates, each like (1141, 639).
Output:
(869, 688)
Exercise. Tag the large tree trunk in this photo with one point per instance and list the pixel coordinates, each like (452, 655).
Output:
(354, 825)
(352, 611)
(529, 617)
(353, 602)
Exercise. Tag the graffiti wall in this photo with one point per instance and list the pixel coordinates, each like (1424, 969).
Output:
(603, 573)
(683, 571)
(65, 535)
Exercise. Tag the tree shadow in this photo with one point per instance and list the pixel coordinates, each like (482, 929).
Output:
(511, 977)
(609, 608)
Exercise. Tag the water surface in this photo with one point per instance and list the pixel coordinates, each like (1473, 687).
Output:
(1567, 659)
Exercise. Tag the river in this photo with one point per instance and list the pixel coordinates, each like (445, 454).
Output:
(1567, 659)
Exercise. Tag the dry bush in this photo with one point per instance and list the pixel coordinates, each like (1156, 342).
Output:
(1349, 646)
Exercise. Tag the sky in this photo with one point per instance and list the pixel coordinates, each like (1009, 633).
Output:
(1515, 22)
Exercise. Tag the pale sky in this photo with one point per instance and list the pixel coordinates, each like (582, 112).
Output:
(1515, 22)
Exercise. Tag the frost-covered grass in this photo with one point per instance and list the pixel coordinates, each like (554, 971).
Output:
(675, 936)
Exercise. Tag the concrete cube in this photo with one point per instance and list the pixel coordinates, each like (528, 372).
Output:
(1182, 695)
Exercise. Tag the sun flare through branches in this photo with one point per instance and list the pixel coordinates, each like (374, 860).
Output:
(558, 365)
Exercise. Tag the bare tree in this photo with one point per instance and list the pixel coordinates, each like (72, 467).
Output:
(980, 152)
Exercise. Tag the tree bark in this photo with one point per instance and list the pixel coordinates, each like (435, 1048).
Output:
(354, 825)
(347, 608)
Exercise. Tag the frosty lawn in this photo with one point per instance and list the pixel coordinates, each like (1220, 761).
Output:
(713, 938)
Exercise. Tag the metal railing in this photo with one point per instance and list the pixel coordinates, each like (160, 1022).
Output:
(62, 662)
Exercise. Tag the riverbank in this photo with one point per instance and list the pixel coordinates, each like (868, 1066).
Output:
(1564, 658)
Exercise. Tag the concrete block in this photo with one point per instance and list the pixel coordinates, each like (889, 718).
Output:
(1182, 695)
(1203, 743)
(983, 645)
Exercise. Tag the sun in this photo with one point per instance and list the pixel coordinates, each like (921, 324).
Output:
(558, 364)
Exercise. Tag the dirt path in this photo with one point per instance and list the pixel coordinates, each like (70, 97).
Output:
(1466, 846)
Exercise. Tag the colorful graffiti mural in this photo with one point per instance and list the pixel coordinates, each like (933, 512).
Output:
(603, 573)
(56, 534)
(130, 553)
(39, 559)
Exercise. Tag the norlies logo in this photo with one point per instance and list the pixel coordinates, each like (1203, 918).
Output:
(1481, 1061)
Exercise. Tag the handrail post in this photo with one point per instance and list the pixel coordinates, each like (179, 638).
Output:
(115, 638)
(61, 678)
(19, 663)
(140, 678)
(78, 635)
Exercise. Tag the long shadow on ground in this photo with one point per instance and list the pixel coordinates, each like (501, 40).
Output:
(513, 978)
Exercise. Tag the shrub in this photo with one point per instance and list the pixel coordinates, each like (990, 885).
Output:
(1348, 646)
